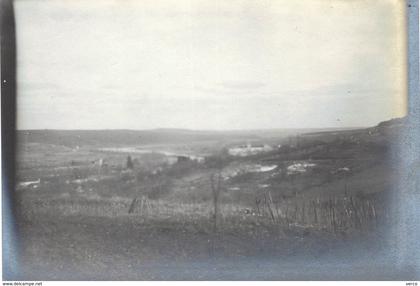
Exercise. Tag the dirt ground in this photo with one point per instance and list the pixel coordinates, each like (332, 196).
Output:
(131, 248)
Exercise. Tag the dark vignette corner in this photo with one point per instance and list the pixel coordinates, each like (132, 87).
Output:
(8, 126)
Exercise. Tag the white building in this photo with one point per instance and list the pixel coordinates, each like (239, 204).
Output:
(249, 149)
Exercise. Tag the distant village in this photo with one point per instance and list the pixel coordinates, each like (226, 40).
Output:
(249, 149)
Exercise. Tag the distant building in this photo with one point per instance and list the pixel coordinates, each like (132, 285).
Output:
(184, 158)
(249, 149)
(198, 159)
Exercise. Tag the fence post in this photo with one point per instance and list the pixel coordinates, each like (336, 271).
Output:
(315, 213)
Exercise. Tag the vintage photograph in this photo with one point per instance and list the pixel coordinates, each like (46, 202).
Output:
(209, 140)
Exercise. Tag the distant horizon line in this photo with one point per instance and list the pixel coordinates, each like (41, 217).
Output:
(198, 130)
(211, 130)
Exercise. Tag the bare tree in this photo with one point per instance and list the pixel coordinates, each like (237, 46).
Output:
(129, 163)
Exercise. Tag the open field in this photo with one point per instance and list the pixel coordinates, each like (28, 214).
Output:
(138, 211)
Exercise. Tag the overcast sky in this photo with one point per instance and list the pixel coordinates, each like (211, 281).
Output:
(209, 64)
